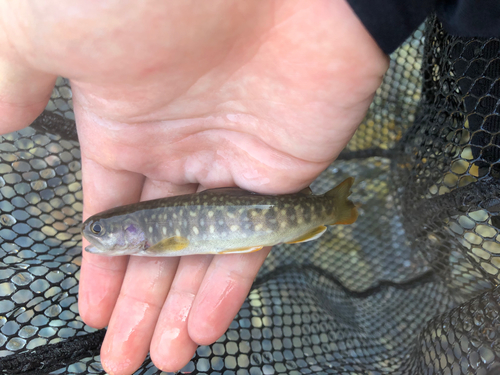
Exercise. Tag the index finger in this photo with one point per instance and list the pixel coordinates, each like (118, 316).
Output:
(101, 277)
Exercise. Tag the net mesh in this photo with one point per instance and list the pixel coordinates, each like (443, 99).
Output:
(410, 288)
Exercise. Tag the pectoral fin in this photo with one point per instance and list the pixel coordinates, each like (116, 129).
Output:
(242, 250)
(311, 235)
(175, 243)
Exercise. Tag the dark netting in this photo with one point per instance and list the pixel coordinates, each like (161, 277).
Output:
(410, 288)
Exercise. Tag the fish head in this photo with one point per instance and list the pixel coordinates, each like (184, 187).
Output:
(113, 236)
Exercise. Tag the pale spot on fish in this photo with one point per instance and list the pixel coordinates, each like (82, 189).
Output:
(150, 229)
(241, 210)
(175, 216)
(164, 230)
(202, 222)
(231, 215)
(221, 222)
(177, 232)
(153, 217)
(195, 230)
(192, 213)
(253, 213)
(283, 224)
(258, 227)
(211, 229)
(181, 212)
(210, 213)
(234, 228)
(283, 212)
(300, 220)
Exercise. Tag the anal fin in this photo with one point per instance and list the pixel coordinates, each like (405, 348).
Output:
(242, 250)
(311, 235)
(175, 243)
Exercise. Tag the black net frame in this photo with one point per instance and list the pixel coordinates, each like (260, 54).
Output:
(410, 288)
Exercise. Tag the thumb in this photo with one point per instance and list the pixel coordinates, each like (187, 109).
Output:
(24, 93)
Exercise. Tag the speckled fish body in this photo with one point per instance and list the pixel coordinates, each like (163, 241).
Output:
(225, 220)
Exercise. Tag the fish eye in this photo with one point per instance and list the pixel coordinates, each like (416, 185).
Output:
(97, 228)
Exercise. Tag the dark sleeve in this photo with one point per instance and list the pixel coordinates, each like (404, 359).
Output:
(390, 22)
(470, 17)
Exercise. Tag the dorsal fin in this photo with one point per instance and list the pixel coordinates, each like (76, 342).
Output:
(306, 191)
(234, 191)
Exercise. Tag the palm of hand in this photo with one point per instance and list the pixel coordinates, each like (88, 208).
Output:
(259, 96)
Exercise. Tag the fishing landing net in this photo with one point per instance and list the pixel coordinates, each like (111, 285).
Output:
(410, 288)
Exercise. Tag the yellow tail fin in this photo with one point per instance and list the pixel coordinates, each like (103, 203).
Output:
(345, 212)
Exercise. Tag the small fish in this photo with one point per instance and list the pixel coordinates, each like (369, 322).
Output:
(217, 221)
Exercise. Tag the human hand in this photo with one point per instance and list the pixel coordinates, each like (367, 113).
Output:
(171, 98)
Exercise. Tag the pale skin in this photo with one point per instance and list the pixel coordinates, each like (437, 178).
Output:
(171, 98)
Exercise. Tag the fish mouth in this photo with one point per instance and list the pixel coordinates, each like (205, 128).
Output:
(94, 250)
